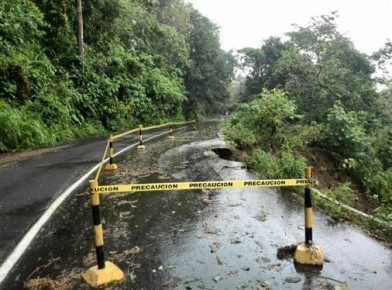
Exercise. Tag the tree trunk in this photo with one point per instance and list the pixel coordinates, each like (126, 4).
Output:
(80, 31)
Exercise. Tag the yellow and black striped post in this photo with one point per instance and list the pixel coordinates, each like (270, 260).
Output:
(141, 146)
(308, 253)
(308, 210)
(95, 204)
(111, 166)
(104, 272)
(171, 137)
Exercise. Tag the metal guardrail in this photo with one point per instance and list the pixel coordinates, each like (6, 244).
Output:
(109, 145)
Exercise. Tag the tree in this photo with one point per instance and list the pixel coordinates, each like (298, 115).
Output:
(143, 62)
(211, 69)
(316, 67)
(261, 64)
(383, 60)
(80, 30)
(323, 66)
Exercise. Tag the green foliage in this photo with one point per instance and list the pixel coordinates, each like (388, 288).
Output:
(263, 122)
(343, 133)
(262, 64)
(20, 130)
(385, 213)
(342, 193)
(211, 69)
(269, 113)
(300, 136)
(383, 60)
(265, 118)
(286, 167)
(264, 163)
(332, 86)
(291, 166)
(24, 68)
(383, 106)
(145, 62)
(237, 132)
(316, 67)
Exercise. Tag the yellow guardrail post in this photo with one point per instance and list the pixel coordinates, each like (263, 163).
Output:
(141, 146)
(171, 137)
(308, 253)
(111, 166)
(105, 272)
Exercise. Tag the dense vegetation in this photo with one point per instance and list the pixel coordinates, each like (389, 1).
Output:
(314, 99)
(143, 62)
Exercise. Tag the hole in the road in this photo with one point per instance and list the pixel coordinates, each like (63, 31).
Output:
(286, 252)
(224, 153)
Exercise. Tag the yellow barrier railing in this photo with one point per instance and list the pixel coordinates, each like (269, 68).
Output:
(151, 128)
(125, 133)
(112, 138)
(102, 160)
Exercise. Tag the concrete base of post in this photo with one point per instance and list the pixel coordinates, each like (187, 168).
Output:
(110, 167)
(309, 255)
(99, 277)
(171, 137)
(141, 147)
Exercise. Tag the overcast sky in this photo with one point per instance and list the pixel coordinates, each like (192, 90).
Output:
(246, 23)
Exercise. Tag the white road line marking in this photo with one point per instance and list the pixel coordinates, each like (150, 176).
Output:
(31, 234)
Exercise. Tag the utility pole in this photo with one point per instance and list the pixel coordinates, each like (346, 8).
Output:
(80, 31)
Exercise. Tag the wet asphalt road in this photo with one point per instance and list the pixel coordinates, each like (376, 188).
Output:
(29, 187)
(200, 239)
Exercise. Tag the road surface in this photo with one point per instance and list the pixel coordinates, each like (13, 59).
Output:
(30, 186)
(198, 239)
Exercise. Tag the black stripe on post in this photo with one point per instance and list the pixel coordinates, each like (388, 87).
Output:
(140, 137)
(100, 257)
(308, 199)
(111, 151)
(308, 236)
(96, 215)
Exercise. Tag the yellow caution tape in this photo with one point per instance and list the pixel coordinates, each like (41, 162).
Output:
(200, 185)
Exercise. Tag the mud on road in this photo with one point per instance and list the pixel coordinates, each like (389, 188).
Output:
(200, 239)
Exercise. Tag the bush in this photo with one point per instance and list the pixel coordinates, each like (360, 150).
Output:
(291, 166)
(239, 135)
(342, 193)
(264, 163)
(344, 134)
(18, 129)
(385, 213)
